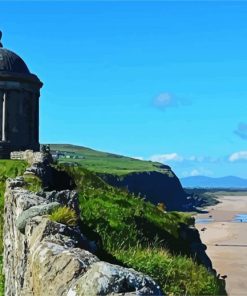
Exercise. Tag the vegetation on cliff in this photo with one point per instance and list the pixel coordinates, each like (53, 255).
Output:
(132, 232)
(103, 162)
(153, 180)
(140, 235)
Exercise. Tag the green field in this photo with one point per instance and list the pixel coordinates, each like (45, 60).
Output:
(102, 162)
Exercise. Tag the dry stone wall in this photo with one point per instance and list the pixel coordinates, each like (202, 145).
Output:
(29, 155)
(46, 258)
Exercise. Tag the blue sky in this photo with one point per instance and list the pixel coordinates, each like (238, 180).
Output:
(158, 80)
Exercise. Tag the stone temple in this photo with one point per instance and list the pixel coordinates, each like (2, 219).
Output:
(19, 105)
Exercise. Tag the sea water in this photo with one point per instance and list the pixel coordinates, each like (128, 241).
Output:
(240, 218)
(204, 220)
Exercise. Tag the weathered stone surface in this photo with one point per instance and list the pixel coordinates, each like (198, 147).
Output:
(17, 182)
(32, 212)
(104, 278)
(39, 170)
(65, 197)
(41, 228)
(54, 268)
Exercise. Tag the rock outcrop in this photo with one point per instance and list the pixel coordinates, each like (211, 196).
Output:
(155, 186)
(46, 258)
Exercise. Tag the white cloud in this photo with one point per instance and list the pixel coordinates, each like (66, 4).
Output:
(240, 155)
(197, 172)
(178, 158)
(166, 99)
(195, 158)
(166, 157)
(138, 157)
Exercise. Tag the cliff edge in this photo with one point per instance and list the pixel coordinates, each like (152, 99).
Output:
(44, 257)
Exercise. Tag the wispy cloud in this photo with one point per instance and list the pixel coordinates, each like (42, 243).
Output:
(175, 157)
(238, 156)
(138, 157)
(166, 157)
(166, 100)
(197, 172)
(241, 130)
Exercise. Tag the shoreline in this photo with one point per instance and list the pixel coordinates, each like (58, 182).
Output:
(226, 241)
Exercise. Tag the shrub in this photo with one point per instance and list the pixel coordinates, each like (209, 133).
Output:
(136, 233)
(65, 216)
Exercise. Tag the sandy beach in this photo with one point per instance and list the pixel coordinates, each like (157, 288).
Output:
(227, 242)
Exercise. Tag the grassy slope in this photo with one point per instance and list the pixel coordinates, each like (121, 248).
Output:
(103, 162)
(134, 232)
(141, 236)
(8, 169)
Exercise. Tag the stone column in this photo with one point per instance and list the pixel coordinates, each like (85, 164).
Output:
(36, 117)
(4, 117)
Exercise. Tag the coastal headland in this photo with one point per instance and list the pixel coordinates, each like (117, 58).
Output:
(226, 240)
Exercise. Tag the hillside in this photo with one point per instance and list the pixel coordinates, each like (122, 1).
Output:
(229, 182)
(103, 162)
(134, 233)
(152, 180)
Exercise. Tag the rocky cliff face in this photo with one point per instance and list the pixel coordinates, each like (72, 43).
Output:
(156, 187)
(43, 258)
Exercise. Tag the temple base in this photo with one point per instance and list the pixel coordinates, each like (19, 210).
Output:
(5, 150)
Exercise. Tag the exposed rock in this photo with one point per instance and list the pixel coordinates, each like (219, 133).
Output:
(155, 186)
(197, 249)
(104, 279)
(32, 212)
(65, 197)
(18, 182)
(54, 268)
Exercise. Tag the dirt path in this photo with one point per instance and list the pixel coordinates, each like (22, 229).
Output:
(227, 242)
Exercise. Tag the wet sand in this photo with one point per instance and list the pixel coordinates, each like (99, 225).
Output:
(226, 242)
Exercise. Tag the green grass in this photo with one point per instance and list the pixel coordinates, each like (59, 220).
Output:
(65, 216)
(177, 275)
(102, 162)
(8, 169)
(32, 183)
(141, 236)
(132, 232)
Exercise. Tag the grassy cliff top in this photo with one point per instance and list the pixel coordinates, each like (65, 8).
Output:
(103, 162)
(130, 231)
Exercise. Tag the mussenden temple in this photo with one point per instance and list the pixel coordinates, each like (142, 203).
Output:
(19, 105)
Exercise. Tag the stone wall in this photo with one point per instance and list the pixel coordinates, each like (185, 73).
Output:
(28, 155)
(46, 258)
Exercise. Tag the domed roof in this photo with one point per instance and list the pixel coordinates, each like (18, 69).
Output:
(11, 62)
(13, 68)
